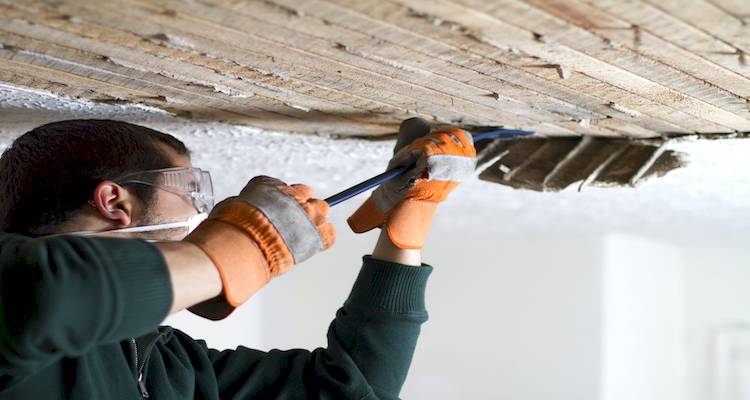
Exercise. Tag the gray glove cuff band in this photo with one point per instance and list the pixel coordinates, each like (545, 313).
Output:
(295, 227)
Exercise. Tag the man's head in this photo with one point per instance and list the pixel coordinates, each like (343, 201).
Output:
(61, 177)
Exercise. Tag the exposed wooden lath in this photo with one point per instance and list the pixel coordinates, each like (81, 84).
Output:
(554, 164)
(562, 67)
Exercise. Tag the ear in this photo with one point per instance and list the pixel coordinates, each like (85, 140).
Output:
(114, 203)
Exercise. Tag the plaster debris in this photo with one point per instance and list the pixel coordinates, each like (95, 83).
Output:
(288, 10)
(563, 72)
(632, 113)
(171, 41)
(298, 107)
(231, 91)
(542, 38)
(126, 64)
(169, 12)
(612, 44)
(431, 18)
(494, 95)
(72, 19)
(636, 36)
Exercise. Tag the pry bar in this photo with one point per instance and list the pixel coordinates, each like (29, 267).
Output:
(503, 134)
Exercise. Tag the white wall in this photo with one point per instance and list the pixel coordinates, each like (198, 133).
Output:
(643, 307)
(511, 318)
(718, 323)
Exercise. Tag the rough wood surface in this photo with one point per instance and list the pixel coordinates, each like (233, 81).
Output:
(637, 69)
(554, 164)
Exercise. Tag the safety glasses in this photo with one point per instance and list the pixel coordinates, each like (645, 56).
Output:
(192, 183)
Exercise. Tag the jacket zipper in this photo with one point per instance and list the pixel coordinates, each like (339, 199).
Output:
(141, 382)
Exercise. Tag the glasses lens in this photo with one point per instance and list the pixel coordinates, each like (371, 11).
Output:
(193, 183)
(203, 196)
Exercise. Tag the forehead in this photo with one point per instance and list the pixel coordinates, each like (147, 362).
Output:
(178, 160)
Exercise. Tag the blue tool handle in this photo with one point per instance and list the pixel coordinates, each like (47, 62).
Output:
(395, 172)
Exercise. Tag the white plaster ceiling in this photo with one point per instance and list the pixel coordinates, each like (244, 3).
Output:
(710, 197)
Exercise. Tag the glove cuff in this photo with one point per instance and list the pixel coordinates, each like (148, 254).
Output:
(245, 248)
(256, 226)
(241, 265)
(366, 217)
(406, 224)
(409, 222)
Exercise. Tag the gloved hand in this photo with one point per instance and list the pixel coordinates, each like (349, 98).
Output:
(405, 206)
(260, 234)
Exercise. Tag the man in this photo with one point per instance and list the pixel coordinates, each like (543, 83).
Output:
(82, 294)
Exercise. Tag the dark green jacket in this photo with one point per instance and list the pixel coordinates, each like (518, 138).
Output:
(69, 306)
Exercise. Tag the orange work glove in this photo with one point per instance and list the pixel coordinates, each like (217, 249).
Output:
(260, 234)
(405, 206)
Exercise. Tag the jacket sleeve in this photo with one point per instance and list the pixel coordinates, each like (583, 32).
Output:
(370, 345)
(62, 295)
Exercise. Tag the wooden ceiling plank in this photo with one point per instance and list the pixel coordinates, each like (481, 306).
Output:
(433, 76)
(300, 63)
(333, 15)
(509, 29)
(738, 8)
(289, 90)
(26, 80)
(707, 116)
(335, 124)
(468, 83)
(155, 90)
(341, 67)
(454, 45)
(445, 27)
(625, 128)
(717, 21)
(11, 62)
(116, 57)
(67, 83)
(192, 75)
(619, 33)
(666, 26)
(316, 52)
(544, 20)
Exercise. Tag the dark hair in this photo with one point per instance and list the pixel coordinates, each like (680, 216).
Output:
(52, 170)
